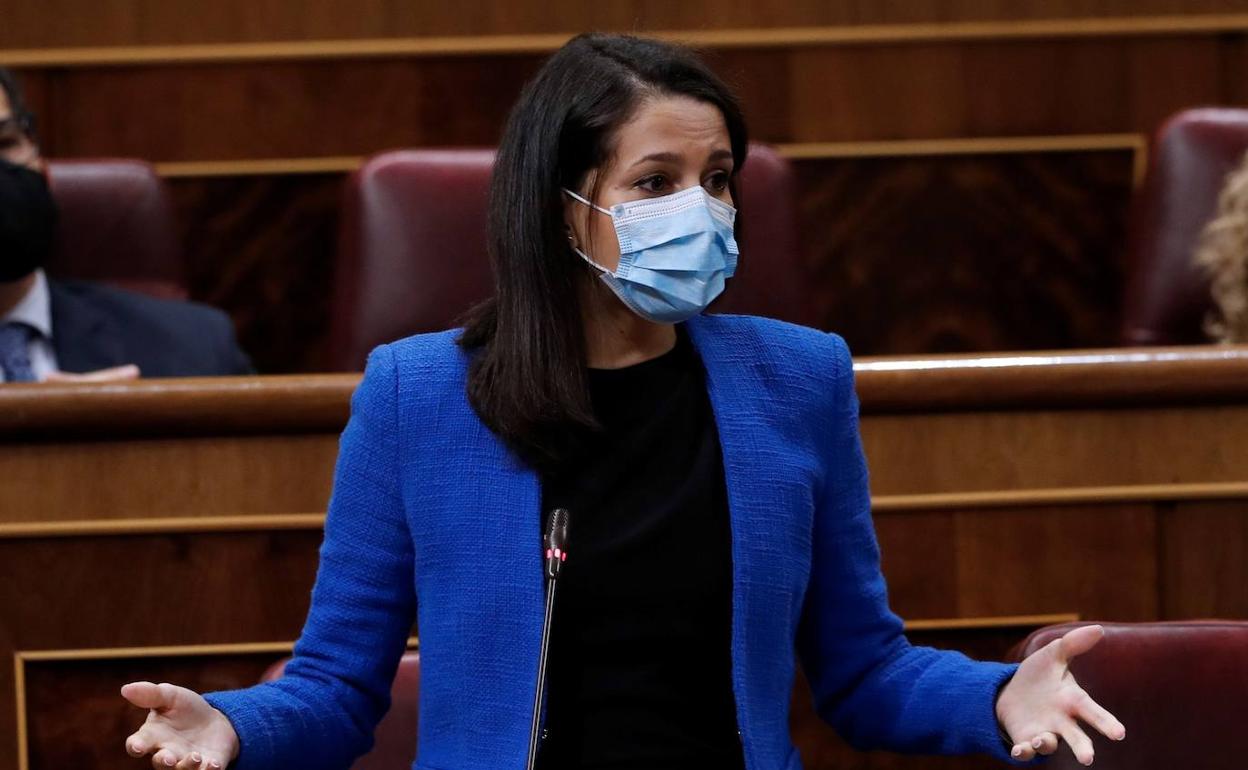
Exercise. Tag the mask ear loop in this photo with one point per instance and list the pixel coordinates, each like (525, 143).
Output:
(576, 197)
(577, 249)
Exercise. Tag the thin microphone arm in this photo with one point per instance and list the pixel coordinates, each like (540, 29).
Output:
(555, 544)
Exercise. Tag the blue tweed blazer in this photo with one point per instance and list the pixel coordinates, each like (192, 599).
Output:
(433, 519)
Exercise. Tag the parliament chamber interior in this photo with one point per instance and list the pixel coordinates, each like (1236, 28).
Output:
(1027, 220)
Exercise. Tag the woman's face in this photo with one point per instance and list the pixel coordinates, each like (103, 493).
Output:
(670, 144)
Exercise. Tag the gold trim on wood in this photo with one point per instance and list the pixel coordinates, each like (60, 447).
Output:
(19, 689)
(166, 651)
(992, 145)
(262, 167)
(1016, 498)
(1000, 621)
(997, 498)
(163, 526)
(779, 37)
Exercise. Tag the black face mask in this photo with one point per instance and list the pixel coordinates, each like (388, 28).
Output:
(27, 221)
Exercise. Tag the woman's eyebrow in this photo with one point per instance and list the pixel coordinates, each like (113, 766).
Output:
(662, 157)
(672, 157)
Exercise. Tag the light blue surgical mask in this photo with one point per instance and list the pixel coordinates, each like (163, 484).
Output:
(675, 253)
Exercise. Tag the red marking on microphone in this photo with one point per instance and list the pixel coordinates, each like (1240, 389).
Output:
(547, 553)
(556, 553)
(564, 557)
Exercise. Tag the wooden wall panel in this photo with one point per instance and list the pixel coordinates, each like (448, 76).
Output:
(1098, 561)
(93, 733)
(1008, 251)
(950, 253)
(34, 473)
(262, 248)
(1094, 560)
(52, 23)
(280, 109)
(1204, 559)
(1000, 88)
(58, 593)
(92, 730)
(908, 255)
(1160, 531)
(920, 587)
(232, 110)
(1052, 449)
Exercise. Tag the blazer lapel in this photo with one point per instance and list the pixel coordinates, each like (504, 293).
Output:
(84, 338)
(768, 503)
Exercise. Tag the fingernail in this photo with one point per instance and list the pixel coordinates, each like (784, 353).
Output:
(195, 757)
(170, 761)
(1017, 752)
(1036, 743)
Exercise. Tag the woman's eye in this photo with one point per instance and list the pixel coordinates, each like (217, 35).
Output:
(717, 182)
(655, 183)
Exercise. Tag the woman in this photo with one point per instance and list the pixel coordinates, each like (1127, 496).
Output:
(711, 464)
(1223, 254)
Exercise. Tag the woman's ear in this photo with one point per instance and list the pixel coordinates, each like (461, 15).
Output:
(574, 221)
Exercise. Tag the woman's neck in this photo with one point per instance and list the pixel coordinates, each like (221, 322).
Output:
(616, 337)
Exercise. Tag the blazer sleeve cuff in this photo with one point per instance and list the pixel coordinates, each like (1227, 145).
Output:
(256, 748)
(990, 734)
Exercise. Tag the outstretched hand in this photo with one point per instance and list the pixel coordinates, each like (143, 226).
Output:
(182, 731)
(1043, 703)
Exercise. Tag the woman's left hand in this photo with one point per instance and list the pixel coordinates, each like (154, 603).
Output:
(1043, 702)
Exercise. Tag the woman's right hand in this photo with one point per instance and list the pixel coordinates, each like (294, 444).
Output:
(182, 730)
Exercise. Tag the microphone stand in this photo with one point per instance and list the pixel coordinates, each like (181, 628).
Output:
(555, 542)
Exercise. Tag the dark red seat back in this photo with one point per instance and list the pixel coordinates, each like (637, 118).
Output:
(394, 741)
(1174, 685)
(116, 226)
(413, 252)
(1167, 297)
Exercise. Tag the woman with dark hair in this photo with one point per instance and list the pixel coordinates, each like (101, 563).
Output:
(710, 465)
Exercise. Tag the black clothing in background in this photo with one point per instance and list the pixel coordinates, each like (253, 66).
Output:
(640, 664)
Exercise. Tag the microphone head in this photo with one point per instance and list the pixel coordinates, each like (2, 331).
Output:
(555, 541)
(557, 528)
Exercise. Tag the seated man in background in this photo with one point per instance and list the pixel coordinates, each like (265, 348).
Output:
(50, 327)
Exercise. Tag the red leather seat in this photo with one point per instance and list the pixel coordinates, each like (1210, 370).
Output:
(1174, 685)
(413, 252)
(116, 226)
(1167, 297)
(394, 741)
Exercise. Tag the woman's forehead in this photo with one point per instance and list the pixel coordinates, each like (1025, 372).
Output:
(690, 129)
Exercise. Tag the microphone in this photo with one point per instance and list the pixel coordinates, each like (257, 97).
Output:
(556, 542)
(555, 548)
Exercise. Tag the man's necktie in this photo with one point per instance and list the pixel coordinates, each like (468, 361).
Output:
(15, 340)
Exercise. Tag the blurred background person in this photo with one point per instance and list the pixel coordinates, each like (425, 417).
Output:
(52, 329)
(1223, 253)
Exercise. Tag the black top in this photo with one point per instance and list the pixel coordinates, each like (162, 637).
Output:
(640, 661)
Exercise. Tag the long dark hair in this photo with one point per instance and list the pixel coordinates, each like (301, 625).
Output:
(527, 378)
(17, 104)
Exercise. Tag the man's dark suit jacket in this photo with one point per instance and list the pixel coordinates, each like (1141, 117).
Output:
(96, 327)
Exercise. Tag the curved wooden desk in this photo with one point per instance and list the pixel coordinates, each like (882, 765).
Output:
(168, 529)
